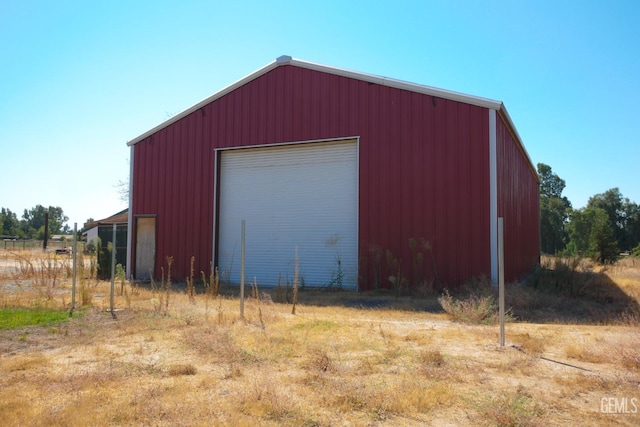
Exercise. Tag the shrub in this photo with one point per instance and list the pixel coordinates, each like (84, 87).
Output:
(474, 309)
(90, 247)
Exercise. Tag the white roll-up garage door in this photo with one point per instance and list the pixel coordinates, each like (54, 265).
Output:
(302, 196)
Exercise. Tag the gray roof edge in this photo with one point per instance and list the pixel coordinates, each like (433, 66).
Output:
(400, 84)
(288, 60)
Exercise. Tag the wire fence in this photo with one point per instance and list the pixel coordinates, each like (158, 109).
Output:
(31, 244)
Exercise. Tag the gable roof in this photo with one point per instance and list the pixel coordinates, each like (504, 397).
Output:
(117, 218)
(287, 60)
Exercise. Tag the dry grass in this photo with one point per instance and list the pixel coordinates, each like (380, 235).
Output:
(195, 361)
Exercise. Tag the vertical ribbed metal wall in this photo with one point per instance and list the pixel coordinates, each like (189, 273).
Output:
(423, 169)
(517, 204)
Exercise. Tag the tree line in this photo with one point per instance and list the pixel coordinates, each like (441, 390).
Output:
(606, 227)
(32, 223)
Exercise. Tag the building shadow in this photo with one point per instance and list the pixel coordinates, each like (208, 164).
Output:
(572, 296)
(547, 296)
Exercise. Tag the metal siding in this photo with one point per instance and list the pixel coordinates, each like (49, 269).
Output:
(413, 180)
(197, 177)
(450, 170)
(274, 132)
(389, 174)
(206, 210)
(517, 204)
(414, 153)
(438, 209)
(180, 193)
(463, 190)
(405, 152)
(370, 177)
(176, 249)
(189, 135)
(429, 201)
(480, 200)
(360, 101)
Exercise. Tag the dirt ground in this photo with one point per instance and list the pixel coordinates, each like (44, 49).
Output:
(343, 358)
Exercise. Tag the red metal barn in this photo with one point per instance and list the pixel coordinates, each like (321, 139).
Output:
(352, 177)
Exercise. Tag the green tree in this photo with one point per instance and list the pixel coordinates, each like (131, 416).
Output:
(33, 221)
(624, 217)
(602, 244)
(9, 224)
(551, 185)
(631, 237)
(554, 210)
(552, 221)
(579, 229)
(591, 234)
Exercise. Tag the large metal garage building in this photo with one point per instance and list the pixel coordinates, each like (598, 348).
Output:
(342, 167)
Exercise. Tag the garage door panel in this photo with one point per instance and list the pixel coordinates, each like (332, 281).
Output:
(302, 196)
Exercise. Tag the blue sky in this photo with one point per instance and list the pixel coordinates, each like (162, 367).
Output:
(78, 80)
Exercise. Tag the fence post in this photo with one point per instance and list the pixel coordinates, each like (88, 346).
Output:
(75, 267)
(242, 270)
(46, 231)
(501, 277)
(113, 268)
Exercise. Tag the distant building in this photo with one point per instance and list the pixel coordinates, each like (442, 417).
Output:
(103, 229)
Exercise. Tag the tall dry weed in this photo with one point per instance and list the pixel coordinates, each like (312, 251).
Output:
(191, 288)
(212, 283)
(295, 284)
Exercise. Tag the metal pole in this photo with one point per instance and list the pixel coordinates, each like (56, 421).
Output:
(113, 268)
(75, 267)
(242, 271)
(46, 231)
(501, 277)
